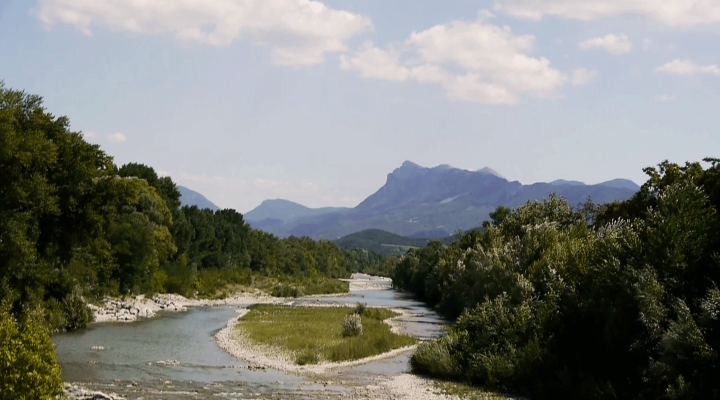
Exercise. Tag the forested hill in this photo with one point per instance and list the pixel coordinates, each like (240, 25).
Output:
(436, 202)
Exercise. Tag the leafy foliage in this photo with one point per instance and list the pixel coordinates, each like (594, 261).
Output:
(72, 222)
(28, 368)
(597, 301)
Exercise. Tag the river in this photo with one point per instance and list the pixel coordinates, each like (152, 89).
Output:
(174, 356)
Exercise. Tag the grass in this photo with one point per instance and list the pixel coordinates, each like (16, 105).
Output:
(315, 334)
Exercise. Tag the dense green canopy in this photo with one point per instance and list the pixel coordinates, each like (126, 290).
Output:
(594, 302)
(74, 227)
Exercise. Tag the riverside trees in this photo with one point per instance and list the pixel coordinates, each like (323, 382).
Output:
(616, 301)
(73, 224)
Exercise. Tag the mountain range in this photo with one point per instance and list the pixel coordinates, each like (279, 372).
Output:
(424, 202)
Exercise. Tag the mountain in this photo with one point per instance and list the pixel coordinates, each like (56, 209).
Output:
(192, 198)
(434, 202)
(274, 212)
(564, 182)
(622, 183)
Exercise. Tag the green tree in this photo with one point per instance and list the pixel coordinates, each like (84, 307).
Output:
(28, 367)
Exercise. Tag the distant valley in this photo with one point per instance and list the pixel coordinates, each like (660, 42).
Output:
(419, 202)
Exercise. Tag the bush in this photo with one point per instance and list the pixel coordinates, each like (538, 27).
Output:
(297, 291)
(434, 359)
(77, 313)
(360, 308)
(28, 367)
(352, 325)
(278, 291)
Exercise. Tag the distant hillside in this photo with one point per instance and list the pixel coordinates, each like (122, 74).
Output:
(380, 242)
(276, 212)
(431, 203)
(387, 243)
(192, 198)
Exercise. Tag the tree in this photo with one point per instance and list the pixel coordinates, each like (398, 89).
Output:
(28, 367)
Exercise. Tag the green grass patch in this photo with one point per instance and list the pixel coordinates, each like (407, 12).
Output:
(315, 334)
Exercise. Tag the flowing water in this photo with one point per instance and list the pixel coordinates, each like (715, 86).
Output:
(174, 356)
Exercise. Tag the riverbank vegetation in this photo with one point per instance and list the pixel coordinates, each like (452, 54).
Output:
(615, 301)
(75, 227)
(315, 334)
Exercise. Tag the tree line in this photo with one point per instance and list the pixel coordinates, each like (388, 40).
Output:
(75, 227)
(613, 301)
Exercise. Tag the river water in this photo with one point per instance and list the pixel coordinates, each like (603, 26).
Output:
(174, 356)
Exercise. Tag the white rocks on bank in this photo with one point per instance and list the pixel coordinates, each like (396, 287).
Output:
(131, 309)
(74, 392)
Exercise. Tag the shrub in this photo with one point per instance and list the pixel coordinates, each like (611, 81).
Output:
(352, 325)
(159, 279)
(297, 291)
(360, 308)
(77, 313)
(434, 359)
(278, 291)
(28, 367)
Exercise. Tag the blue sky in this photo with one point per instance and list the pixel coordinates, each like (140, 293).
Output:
(316, 102)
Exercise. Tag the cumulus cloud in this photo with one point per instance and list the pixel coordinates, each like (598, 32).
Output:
(582, 76)
(473, 61)
(300, 32)
(670, 12)
(687, 67)
(117, 138)
(612, 43)
(373, 62)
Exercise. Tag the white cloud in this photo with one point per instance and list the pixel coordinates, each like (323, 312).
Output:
(89, 135)
(473, 61)
(670, 12)
(680, 67)
(665, 97)
(582, 76)
(373, 62)
(117, 138)
(299, 31)
(612, 43)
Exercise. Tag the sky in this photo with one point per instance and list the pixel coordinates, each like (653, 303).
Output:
(317, 101)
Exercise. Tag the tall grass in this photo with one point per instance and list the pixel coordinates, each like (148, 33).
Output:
(314, 335)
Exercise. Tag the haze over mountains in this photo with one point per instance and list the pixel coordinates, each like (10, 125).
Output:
(426, 202)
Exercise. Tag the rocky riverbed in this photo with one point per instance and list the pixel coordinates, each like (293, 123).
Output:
(133, 308)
